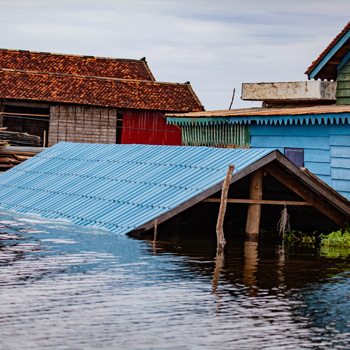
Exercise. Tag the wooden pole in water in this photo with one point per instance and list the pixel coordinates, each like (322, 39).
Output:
(220, 223)
(254, 210)
(155, 235)
(155, 229)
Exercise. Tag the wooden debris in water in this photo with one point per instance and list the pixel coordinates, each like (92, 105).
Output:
(220, 223)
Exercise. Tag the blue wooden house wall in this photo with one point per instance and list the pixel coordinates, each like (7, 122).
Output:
(324, 140)
(326, 148)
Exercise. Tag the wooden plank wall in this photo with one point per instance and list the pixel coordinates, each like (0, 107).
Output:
(82, 124)
(326, 149)
(340, 158)
(343, 85)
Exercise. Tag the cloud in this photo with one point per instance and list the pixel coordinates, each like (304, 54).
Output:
(217, 45)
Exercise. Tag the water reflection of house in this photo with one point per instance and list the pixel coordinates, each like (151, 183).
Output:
(89, 99)
(307, 121)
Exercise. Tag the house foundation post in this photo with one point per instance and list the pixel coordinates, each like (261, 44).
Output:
(254, 210)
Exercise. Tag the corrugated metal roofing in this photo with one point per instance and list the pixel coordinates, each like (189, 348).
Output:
(334, 114)
(118, 187)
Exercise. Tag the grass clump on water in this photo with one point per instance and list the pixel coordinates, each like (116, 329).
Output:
(299, 237)
(340, 239)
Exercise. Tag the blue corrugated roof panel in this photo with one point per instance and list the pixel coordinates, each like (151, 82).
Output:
(119, 187)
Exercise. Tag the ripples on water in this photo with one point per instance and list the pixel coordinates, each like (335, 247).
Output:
(63, 287)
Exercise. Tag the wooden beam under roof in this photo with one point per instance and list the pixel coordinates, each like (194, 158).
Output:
(337, 205)
(257, 201)
(318, 201)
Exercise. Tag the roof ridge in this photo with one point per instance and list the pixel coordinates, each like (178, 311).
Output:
(143, 59)
(92, 77)
(194, 95)
(71, 55)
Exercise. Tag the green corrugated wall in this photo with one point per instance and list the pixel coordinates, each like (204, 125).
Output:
(218, 135)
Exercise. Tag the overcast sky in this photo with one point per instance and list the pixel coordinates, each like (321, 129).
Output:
(215, 44)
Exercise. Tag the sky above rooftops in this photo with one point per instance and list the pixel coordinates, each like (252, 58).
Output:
(216, 45)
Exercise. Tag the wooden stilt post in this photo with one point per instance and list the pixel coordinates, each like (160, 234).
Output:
(254, 210)
(220, 223)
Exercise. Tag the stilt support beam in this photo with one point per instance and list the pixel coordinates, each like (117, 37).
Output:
(316, 200)
(254, 210)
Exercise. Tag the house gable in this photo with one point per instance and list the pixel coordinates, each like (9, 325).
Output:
(126, 187)
(326, 66)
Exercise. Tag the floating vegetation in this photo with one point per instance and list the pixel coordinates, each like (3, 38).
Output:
(299, 237)
(340, 239)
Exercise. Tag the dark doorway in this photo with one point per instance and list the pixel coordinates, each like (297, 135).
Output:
(32, 120)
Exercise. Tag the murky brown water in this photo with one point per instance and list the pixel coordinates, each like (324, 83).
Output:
(63, 287)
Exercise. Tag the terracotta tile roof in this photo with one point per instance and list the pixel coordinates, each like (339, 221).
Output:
(328, 48)
(78, 65)
(106, 92)
(265, 112)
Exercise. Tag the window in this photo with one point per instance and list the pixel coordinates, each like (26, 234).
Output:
(296, 155)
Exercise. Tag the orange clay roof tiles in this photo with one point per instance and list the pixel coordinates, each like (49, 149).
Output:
(106, 82)
(106, 92)
(78, 65)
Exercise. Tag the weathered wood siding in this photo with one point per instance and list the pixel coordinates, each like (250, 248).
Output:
(82, 124)
(343, 85)
(326, 149)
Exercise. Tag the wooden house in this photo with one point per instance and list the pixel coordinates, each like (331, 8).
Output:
(133, 188)
(89, 99)
(307, 121)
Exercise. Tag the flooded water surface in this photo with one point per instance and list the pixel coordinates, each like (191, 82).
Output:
(65, 287)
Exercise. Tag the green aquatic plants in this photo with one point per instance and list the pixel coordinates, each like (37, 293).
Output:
(333, 245)
(336, 244)
(340, 239)
(299, 237)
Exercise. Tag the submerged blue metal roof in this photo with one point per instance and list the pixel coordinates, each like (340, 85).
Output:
(118, 187)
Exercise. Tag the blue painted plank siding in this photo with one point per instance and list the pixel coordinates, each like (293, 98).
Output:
(312, 142)
(343, 152)
(340, 160)
(339, 140)
(316, 155)
(314, 139)
(326, 148)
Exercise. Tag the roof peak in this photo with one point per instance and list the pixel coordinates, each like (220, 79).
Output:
(95, 77)
(75, 64)
(326, 65)
(143, 59)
